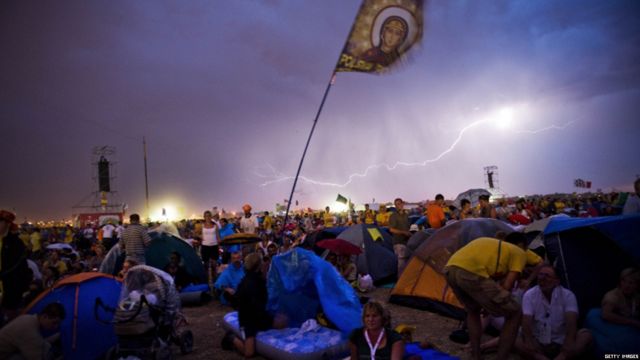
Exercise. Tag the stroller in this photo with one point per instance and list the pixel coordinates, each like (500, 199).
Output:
(147, 320)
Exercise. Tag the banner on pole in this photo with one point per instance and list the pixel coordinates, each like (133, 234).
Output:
(341, 199)
(383, 32)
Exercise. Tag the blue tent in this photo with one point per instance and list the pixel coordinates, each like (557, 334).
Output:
(590, 253)
(378, 258)
(300, 284)
(82, 335)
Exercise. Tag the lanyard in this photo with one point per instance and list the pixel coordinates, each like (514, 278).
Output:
(375, 347)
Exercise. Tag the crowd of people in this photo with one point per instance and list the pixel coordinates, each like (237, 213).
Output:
(32, 259)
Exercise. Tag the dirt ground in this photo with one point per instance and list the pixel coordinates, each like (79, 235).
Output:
(205, 322)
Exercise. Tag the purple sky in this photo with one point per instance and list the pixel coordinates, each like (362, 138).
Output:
(225, 93)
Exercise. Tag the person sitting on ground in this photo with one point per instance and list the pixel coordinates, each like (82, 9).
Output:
(622, 304)
(550, 321)
(332, 258)
(230, 278)
(272, 250)
(376, 339)
(95, 260)
(347, 268)
(251, 298)
(176, 269)
(128, 264)
(22, 338)
(54, 261)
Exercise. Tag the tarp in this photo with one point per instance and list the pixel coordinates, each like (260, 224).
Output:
(378, 259)
(422, 284)
(82, 336)
(300, 284)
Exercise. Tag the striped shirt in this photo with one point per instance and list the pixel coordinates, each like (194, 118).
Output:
(134, 239)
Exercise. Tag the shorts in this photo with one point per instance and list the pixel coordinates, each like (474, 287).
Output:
(209, 253)
(476, 292)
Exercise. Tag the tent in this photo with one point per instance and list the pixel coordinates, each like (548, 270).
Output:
(82, 335)
(422, 284)
(418, 238)
(590, 253)
(163, 244)
(300, 284)
(378, 258)
(158, 255)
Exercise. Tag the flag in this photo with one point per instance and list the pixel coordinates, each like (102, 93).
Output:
(341, 199)
(383, 32)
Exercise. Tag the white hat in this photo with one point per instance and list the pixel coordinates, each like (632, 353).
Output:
(414, 227)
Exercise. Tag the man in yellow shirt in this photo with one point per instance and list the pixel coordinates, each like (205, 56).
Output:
(369, 215)
(327, 217)
(472, 272)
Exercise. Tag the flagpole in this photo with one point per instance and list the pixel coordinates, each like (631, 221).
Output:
(315, 121)
(304, 153)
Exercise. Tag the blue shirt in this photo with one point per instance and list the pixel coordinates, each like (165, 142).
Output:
(230, 278)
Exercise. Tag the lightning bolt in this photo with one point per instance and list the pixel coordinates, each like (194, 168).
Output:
(278, 177)
(552, 127)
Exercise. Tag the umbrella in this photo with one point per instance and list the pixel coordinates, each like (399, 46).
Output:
(339, 246)
(472, 195)
(59, 246)
(240, 238)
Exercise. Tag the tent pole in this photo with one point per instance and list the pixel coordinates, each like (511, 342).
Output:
(564, 264)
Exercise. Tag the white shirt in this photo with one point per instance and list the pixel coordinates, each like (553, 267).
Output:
(548, 318)
(119, 231)
(210, 236)
(632, 205)
(249, 224)
(107, 231)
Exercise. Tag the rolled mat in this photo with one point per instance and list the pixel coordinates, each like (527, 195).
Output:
(195, 298)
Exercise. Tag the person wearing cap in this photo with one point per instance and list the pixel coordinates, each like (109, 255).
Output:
(14, 271)
(248, 222)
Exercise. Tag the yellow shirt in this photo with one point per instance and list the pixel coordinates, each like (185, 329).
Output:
(369, 216)
(36, 241)
(480, 256)
(328, 219)
(383, 218)
(533, 258)
(267, 222)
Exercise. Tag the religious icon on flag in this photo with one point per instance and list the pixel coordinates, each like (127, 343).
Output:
(383, 32)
